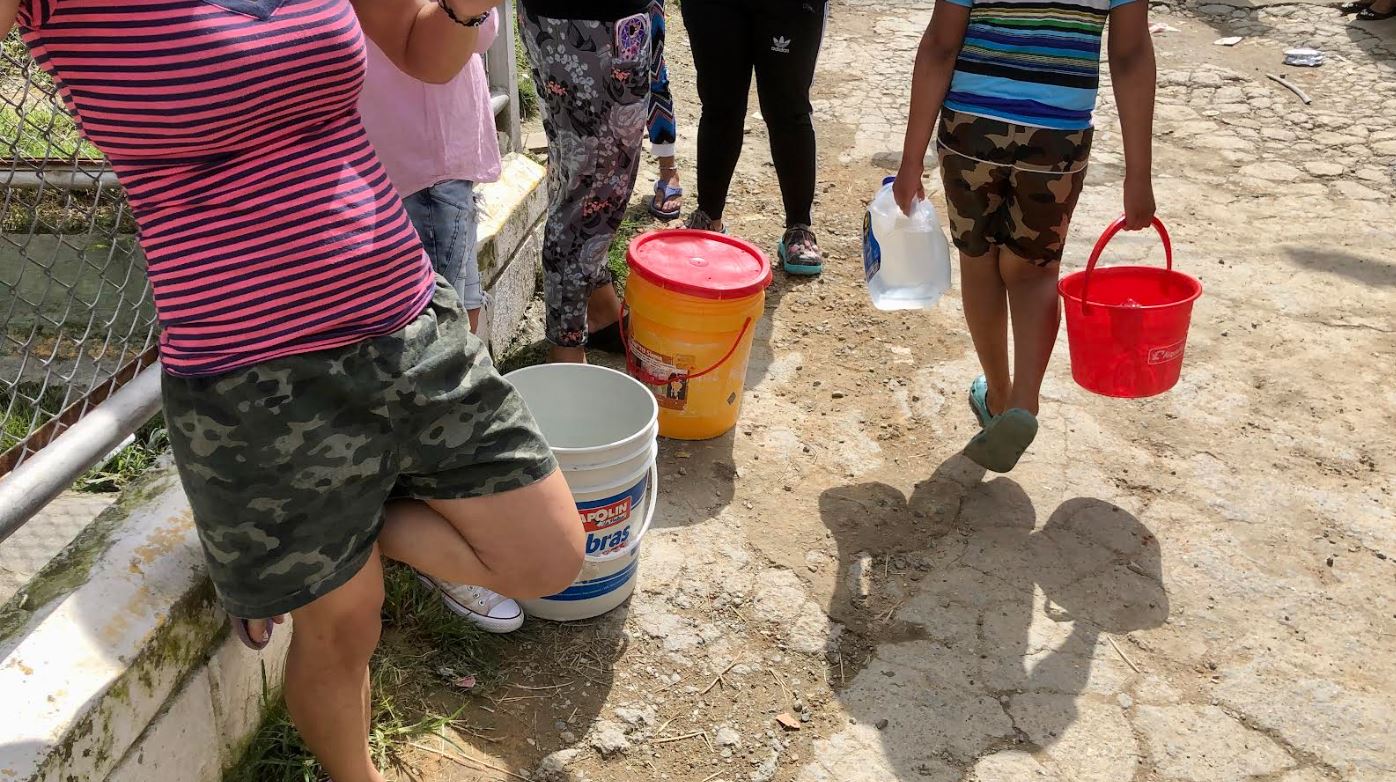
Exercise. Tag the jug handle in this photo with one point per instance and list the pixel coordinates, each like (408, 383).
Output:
(1099, 249)
(637, 370)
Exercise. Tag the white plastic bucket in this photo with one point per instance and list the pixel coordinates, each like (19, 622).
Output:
(603, 427)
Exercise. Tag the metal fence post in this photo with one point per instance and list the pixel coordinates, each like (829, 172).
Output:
(504, 79)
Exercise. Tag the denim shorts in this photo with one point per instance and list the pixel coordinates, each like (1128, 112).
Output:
(447, 220)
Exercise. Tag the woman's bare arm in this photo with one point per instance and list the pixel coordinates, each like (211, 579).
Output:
(419, 36)
(9, 9)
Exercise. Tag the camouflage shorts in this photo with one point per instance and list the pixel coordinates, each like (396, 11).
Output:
(288, 463)
(1010, 185)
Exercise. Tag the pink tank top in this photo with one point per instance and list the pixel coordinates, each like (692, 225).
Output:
(268, 225)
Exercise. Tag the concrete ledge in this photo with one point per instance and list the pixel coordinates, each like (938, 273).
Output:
(118, 656)
(512, 213)
(116, 663)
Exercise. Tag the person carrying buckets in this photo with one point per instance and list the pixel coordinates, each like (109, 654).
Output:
(1014, 83)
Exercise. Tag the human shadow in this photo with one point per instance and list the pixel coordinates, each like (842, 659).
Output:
(1367, 270)
(994, 638)
(551, 687)
(1376, 40)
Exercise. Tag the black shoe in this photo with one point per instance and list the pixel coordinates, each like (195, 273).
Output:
(607, 340)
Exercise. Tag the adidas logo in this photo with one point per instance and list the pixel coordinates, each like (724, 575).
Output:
(780, 45)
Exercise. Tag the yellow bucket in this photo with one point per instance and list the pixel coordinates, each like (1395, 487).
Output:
(691, 307)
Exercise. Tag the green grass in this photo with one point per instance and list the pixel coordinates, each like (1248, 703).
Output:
(637, 220)
(528, 91)
(19, 412)
(52, 210)
(33, 125)
(130, 462)
(113, 475)
(39, 131)
(421, 639)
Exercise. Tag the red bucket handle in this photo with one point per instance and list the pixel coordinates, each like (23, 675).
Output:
(1099, 249)
(637, 370)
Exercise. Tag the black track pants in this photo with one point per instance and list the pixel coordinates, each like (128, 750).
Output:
(779, 40)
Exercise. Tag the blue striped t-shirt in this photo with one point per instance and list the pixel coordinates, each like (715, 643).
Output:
(1031, 62)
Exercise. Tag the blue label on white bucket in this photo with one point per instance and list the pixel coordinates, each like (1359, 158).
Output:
(597, 587)
(607, 521)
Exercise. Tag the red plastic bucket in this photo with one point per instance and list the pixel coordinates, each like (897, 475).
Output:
(1128, 325)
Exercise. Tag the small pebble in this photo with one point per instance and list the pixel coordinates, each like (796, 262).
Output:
(882, 724)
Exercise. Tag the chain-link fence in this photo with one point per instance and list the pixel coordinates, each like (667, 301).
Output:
(75, 307)
(77, 322)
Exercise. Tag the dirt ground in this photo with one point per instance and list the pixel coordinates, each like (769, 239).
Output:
(1194, 587)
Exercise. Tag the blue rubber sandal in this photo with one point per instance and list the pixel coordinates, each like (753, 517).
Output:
(1004, 441)
(663, 194)
(979, 401)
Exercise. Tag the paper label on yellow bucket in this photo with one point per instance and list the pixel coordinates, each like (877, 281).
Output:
(672, 372)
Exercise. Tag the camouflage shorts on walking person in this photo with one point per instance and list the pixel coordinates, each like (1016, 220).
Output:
(288, 463)
(1009, 185)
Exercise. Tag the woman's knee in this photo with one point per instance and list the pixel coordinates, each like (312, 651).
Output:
(342, 628)
(723, 113)
(788, 120)
(546, 556)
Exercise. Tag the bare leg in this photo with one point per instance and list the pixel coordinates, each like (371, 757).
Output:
(560, 355)
(669, 174)
(603, 309)
(459, 540)
(986, 313)
(327, 674)
(1032, 298)
(474, 316)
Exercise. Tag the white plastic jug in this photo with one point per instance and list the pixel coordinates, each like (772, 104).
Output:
(906, 260)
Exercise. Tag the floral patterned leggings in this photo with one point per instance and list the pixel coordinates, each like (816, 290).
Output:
(593, 79)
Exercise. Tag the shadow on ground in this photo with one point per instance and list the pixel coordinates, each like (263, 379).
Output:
(1367, 270)
(992, 641)
(550, 688)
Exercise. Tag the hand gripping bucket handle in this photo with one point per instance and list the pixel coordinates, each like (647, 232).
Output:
(653, 495)
(1099, 249)
(637, 369)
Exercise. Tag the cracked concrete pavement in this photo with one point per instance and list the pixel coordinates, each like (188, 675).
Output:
(1191, 588)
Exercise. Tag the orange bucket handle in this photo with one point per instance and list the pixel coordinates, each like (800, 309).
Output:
(1099, 249)
(637, 370)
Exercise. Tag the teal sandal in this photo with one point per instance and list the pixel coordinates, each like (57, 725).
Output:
(1004, 441)
(979, 401)
(799, 252)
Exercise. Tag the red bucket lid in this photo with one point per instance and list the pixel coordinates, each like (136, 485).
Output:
(705, 264)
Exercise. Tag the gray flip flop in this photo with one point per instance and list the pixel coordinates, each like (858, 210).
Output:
(1004, 441)
(243, 630)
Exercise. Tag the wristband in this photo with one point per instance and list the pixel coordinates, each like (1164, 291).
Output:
(474, 21)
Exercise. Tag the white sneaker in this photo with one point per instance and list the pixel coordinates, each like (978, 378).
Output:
(490, 611)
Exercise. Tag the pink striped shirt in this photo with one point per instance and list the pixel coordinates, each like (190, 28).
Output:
(268, 224)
